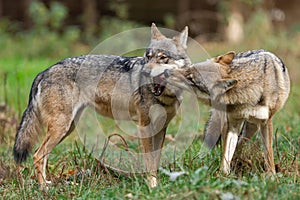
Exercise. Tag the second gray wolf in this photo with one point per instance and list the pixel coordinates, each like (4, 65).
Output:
(247, 87)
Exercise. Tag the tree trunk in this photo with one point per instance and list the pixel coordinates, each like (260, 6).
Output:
(1, 8)
(26, 17)
(90, 15)
(235, 28)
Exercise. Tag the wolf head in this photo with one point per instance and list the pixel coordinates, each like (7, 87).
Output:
(165, 50)
(207, 79)
(165, 53)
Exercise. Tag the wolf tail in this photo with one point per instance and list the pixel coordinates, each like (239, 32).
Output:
(29, 127)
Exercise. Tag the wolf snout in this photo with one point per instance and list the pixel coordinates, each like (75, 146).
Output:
(146, 71)
(161, 68)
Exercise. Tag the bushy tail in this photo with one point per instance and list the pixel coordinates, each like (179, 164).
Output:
(30, 125)
(26, 135)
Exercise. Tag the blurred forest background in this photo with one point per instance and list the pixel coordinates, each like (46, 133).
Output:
(44, 25)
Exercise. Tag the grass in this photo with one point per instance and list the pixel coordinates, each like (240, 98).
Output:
(76, 174)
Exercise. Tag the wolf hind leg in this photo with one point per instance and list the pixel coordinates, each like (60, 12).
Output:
(59, 126)
(267, 134)
(247, 132)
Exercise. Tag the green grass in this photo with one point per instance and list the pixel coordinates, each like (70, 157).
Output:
(77, 175)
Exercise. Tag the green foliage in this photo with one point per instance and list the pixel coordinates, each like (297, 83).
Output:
(47, 38)
(170, 21)
(121, 9)
(113, 25)
(252, 3)
(258, 26)
(225, 7)
(42, 16)
(50, 37)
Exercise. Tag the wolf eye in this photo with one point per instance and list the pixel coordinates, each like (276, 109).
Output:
(163, 57)
(149, 55)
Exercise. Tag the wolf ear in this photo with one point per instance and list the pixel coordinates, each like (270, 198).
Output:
(227, 84)
(225, 59)
(155, 33)
(182, 37)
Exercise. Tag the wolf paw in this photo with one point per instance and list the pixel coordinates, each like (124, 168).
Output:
(45, 186)
(226, 170)
(152, 181)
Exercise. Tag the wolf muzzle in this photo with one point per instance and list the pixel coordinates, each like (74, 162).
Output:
(154, 69)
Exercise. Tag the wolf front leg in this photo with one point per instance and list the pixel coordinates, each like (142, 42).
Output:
(153, 124)
(267, 134)
(152, 146)
(230, 142)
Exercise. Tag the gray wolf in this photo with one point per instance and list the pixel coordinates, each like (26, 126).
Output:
(60, 93)
(248, 87)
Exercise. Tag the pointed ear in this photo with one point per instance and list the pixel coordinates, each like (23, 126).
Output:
(155, 33)
(182, 37)
(227, 84)
(225, 59)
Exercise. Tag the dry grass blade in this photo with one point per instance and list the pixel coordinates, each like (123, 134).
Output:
(107, 167)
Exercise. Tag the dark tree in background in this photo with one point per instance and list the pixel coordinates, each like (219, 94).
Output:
(205, 18)
(90, 16)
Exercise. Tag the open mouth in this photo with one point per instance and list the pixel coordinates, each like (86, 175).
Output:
(159, 84)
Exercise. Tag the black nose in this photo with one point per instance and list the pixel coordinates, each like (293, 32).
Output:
(167, 73)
